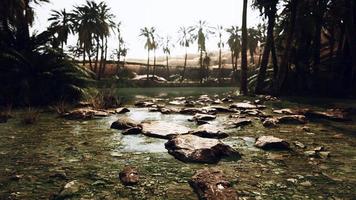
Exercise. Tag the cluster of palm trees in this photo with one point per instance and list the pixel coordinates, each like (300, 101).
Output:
(93, 23)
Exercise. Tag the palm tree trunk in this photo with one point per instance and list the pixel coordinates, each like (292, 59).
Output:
(201, 67)
(274, 59)
(154, 64)
(84, 55)
(148, 64)
(282, 73)
(220, 72)
(233, 66)
(243, 86)
(167, 65)
(266, 52)
(185, 65)
(97, 55)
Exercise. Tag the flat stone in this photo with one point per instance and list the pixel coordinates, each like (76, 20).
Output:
(190, 111)
(121, 110)
(270, 122)
(210, 184)
(124, 123)
(163, 130)
(69, 189)
(204, 117)
(144, 104)
(132, 131)
(243, 106)
(284, 111)
(222, 109)
(129, 176)
(191, 148)
(210, 131)
(242, 122)
(292, 119)
(271, 143)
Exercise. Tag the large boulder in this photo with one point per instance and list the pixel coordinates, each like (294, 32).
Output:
(330, 114)
(210, 131)
(292, 119)
(191, 148)
(210, 184)
(121, 110)
(163, 130)
(129, 176)
(271, 143)
(124, 123)
(84, 113)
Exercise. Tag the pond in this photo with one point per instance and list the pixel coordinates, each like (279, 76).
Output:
(37, 160)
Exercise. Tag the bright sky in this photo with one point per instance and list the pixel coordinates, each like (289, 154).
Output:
(166, 15)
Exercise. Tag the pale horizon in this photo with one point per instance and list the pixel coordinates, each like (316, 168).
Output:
(165, 16)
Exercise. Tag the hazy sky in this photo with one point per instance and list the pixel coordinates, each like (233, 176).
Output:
(166, 15)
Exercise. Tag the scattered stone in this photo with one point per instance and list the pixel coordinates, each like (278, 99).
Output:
(311, 153)
(227, 99)
(222, 109)
(306, 184)
(243, 106)
(190, 111)
(299, 144)
(204, 117)
(69, 189)
(142, 104)
(132, 131)
(271, 143)
(176, 102)
(84, 113)
(210, 131)
(338, 136)
(324, 154)
(270, 122)
(292, 180)
(306, 128)
(210, 184)
(330, 114)
(59, 175)
(292, 119)
(285, 111)
(242, 122)
(129, 176)
(121, 110)
(163, 130)
(124, 123)
(191, 148)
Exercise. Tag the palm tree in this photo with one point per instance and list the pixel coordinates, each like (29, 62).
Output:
(155, 45)
(234, 43)
(243, 87)
(167, 47)
(220, 46)
(61, 23)
(269, 8)
(185, 40)
(253, 39)
(147, 33)
(202, 30)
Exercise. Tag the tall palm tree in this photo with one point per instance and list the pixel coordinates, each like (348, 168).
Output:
(167, 47)
(155, 45)
(202, 30)
(219, 32)
(62, 25)
(185, 40)
(243, 86)
(234, 43)
(147, 33)
(269, 8)
(253, 39)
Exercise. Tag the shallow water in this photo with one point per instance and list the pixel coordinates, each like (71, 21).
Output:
(94, 154)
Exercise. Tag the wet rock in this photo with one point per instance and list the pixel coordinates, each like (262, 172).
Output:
(217, 101)
(330, 114)
(124, 123)
(306, 129)
(84, 113)
(299, 144)
(210, 184)
(243, 106)
(242, 122)
(210, 131)
(270, 122)
(324, 154)
(292, 119)
(253, 112)
(132, 131)
(191, 148)
(161, 129)
(227, 99)
(70, 189)
(176, 102)
(142, 104)
(271, 143)
(200, 122)
(306, 184)
(121, 110)
(285, 111)
(190, 111)
(129, 176)
(204, 117)
(222, 109)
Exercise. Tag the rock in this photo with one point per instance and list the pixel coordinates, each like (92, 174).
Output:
(144, 104)
(163, 130)
(132, 131)
(200, 122)
(191, 148)
(176, 102)
(292, 119)
(222, 109)
(306, 129)
(299, 144)
(324, 154)
(330, 114)
(84, 113)
(121, 110)
(69, 189)
(204, 117)
(129, 176)
(311, 153)
(190, 111)
(271, 142)
(242, 122)
(124, 123)
(227, 99)
(211, 184)
(306, 184)
(210, 131)
(270, 122)
(286, 111)
(243, 106)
